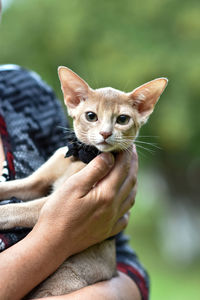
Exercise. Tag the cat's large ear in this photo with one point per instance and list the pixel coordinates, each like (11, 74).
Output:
(74, 88)
(145, 97)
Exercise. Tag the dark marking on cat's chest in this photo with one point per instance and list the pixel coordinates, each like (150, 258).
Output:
(79, 150)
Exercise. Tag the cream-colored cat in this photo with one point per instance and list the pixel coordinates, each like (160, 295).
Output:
(106, 118)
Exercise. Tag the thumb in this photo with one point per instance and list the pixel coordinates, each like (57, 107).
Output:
(94, 172)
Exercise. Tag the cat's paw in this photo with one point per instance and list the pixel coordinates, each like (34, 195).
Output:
(8, 218)
(4, 190)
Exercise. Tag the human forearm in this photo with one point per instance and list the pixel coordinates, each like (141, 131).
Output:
(70, 218)
(118, 288)
(27, 263)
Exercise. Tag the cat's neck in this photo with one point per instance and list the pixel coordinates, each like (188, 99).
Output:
(79, 150)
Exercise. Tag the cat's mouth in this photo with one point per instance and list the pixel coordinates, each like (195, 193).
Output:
(103, 143)
(105, 146)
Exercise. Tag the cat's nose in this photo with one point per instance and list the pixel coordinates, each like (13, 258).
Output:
(105, 134)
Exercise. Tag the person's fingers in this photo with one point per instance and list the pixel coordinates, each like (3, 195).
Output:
(130, 180)
(119, 172)
(120, 224)
(128, 203)
(93, 172)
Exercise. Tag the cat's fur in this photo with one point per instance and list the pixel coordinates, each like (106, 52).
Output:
(116, 123)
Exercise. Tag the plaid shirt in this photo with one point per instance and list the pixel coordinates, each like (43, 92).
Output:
(30, 126)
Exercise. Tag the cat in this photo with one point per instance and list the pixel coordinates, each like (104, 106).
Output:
(107, 119)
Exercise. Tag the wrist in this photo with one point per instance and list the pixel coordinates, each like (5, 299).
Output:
(52, 240)
(27, 263)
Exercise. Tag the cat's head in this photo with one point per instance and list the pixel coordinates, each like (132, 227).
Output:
(107, 118)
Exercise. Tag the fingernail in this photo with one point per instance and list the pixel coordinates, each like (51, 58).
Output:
(108, 158)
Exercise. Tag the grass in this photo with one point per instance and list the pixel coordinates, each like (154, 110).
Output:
(170, 280)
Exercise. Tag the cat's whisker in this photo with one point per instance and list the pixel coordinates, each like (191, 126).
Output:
(147, 143)
(126, 143)
(148, 136)
(146, 149)
(125, 146)
(128, 150)
(66, 129)
(141, 136)
(141, 153)
(136, 140)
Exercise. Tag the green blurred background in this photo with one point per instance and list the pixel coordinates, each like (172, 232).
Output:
(124, 44)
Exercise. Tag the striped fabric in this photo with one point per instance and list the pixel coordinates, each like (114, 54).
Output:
(5, 172)
(30, 126)
(6, 146)
(128, 263)
(32, 117)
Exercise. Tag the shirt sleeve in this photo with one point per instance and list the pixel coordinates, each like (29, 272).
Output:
(128, 263)
(48, 117)
(34, 118)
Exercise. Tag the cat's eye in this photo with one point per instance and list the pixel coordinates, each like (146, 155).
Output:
(123, 119)
(91, 116)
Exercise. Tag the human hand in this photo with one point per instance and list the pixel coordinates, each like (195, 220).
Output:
(88, 208)
(93, 204)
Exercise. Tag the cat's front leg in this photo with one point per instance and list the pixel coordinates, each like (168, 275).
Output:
(37, 184)
(25, 189)
(23, 214)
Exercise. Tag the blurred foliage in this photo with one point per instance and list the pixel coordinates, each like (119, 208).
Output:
(124, 44)
(117, 43)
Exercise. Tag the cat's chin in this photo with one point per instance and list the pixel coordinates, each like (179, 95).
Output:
(105, 147)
